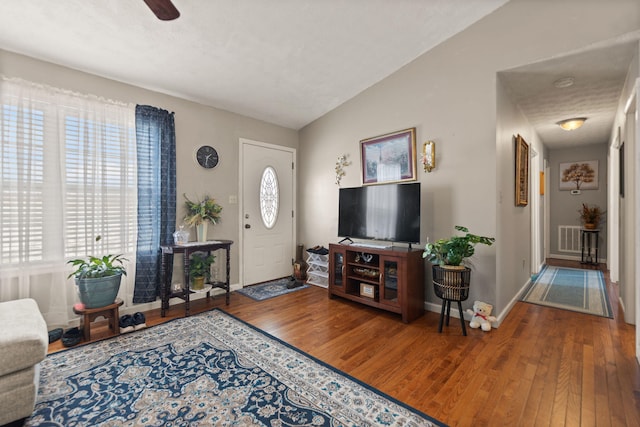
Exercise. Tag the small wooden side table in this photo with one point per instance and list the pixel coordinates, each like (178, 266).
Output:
(588, 243)
(186, 250)
(109, 312)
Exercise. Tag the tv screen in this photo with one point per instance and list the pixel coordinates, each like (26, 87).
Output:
(388, 212)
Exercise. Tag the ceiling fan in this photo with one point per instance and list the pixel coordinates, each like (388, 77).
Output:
(163, 9)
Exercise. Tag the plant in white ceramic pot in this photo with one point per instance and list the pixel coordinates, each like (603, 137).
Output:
(200, 213)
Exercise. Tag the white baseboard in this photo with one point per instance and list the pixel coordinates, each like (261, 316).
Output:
(134, 308)
(574, 258)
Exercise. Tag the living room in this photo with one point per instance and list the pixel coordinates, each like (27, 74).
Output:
(450, 94)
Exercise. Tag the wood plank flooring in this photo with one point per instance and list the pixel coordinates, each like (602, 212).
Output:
(542, 367)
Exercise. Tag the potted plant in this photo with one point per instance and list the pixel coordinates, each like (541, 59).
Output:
(454, 250)
(98, 278)
(450, 279)
(200, 269)
(200, 213)
(590, 216)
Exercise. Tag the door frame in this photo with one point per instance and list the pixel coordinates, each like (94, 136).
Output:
(241, 143)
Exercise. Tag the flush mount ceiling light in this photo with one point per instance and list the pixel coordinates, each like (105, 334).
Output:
(572, 124)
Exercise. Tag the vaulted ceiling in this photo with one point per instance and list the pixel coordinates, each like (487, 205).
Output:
(289, 62)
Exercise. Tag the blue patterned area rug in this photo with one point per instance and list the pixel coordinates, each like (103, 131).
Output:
(206, 370)
(268, 290)
(572, 289)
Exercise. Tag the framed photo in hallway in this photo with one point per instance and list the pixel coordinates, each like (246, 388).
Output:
(522, 172)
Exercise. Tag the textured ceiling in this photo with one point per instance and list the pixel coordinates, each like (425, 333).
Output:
(283, 61)
(599, 76)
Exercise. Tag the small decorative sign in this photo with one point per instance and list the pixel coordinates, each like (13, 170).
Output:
(367, 290)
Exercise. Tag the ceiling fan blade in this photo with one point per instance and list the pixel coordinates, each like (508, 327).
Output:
(163, 9)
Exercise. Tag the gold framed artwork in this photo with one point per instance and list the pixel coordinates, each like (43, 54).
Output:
(542, 183)
(389, 158)
(522, 171)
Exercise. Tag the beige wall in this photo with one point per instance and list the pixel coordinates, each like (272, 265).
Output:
(196, 125)
(449, 94)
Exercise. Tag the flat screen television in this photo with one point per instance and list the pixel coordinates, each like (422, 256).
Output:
(389, 212)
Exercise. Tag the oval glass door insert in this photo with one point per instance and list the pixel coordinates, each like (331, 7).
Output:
(269, 197)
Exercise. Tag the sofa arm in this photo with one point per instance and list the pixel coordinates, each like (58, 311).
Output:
(24, 339)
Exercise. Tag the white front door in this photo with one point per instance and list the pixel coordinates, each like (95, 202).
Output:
(268, 241)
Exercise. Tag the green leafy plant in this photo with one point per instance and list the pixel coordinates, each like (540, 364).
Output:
(199, 212)
(200, 265)
(95, 267)
(454, 250)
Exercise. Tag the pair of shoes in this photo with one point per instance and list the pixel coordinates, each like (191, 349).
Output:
(293, 283)
(55, 335)
(139, 321)
(71, 337)
(126, 324)
(320, 250)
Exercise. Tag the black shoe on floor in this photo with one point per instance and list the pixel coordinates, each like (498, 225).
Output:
(55, 335)
(71, 337)
(139, 321)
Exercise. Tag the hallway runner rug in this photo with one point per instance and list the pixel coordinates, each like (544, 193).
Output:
(572, 289)
(271, 289)
(210, 369)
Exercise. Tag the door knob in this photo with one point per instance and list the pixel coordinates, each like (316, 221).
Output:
(247, 226)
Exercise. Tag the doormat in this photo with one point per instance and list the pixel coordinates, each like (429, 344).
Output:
(270, 289)
(572, 289)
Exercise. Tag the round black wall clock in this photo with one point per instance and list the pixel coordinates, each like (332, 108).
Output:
(207, 157)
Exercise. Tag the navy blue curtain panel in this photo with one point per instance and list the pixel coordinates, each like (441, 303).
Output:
(156, 149)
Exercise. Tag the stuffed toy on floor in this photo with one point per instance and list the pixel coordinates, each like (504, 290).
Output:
(481, 316)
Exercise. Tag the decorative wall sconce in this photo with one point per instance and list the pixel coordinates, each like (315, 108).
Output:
(340, 165)
(429, 156)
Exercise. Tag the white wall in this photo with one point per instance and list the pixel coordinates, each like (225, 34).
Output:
(449, 94)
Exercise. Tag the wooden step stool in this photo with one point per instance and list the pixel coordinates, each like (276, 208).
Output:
(109, 312)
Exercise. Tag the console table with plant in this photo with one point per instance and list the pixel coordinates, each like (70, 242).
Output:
(197, 259)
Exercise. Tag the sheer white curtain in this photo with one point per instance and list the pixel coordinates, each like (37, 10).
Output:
(67, 175)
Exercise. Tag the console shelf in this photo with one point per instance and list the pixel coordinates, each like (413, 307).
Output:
(391, 279)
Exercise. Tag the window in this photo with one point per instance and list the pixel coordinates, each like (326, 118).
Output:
(269, 197)
(67, 175)
(18, 161)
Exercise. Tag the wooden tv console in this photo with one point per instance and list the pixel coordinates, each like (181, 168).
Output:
(391, 279)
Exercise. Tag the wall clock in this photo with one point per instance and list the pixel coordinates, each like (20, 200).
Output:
(207, 157)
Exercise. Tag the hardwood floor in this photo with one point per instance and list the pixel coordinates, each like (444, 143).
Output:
(542, 367)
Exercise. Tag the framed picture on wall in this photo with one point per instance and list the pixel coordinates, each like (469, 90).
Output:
(621, 169)
(389, 158)
(522, 172)
(579, 175)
